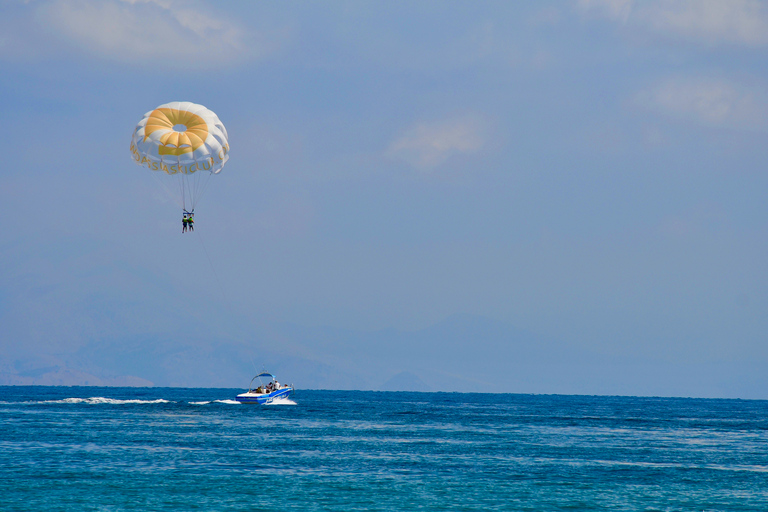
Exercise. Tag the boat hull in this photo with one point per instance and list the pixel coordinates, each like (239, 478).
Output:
(263, 399)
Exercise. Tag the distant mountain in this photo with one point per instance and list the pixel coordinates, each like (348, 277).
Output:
(82, 311)
(75, 311)
(36, 372)
(460, 353)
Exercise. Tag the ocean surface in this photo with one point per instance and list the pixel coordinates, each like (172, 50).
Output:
(113, 449)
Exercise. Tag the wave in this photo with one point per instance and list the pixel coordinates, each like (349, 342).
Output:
(279, 401)
(95, 400)
(98, 400)
(282, 401)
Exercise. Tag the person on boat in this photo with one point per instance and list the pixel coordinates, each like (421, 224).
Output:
(259, 390)
(277, 385)
(184, 223)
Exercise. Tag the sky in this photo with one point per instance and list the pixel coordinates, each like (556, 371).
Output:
(522, 197)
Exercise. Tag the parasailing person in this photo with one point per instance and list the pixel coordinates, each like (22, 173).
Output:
(184, 144)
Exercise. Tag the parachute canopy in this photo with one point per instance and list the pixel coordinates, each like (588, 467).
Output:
(187, 142)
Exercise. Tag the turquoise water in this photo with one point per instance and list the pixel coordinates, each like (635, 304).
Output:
(112, 449)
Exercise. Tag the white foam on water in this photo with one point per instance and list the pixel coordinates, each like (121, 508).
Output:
(94, 400)
(281, 401)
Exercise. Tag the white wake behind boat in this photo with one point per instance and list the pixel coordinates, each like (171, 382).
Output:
(268, 390)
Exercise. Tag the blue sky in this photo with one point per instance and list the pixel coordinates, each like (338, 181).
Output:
(582, 182)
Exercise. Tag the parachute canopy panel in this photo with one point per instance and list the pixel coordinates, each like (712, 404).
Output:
(180, 137)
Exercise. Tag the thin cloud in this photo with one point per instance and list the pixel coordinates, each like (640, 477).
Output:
(426, 146)
(618, 10)
(708, 102)
(166, 32)
(742, 22)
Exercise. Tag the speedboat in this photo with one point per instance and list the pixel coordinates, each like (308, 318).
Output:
(266, 392)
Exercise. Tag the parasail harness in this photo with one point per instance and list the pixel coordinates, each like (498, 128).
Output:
(188, 220)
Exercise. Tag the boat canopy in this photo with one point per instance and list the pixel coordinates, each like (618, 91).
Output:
(265, 374)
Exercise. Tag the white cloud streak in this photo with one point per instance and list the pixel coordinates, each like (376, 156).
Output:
(743, 22)
(169, 33)
(706, 101)
(426, 146)
(618, 10)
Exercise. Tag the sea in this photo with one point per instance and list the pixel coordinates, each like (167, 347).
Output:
(175, 449)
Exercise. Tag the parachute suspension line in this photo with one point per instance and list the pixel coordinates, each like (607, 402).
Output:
(187, 194)
(183, 181)
(202, 188)
(180, 185)
(254, 364)
(192, 189)
(192, 186)
(161, 181)
(190, 180)
(198, 183)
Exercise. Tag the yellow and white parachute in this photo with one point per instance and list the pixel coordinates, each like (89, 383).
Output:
(187, 142)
